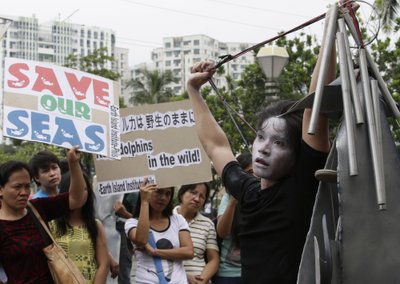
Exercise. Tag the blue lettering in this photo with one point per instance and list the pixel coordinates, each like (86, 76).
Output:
(21, 129)
(66, 132)
(91, 133)
(38, 125)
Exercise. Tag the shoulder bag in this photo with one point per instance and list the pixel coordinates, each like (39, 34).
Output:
(62, 268)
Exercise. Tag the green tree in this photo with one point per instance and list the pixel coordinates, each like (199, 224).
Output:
(386, 53)
(94, 63)
(387, 10)
(25, 150)
(151, 87)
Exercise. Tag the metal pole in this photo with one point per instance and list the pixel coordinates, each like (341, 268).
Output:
(353, 82)
(382, 84)
(352, 28)
(330, 37)
(377, 112)
(385, 91)
(348, 114)
(379, 181)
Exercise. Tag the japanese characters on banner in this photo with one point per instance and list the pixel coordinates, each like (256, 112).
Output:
(159, 142)
(61, 106)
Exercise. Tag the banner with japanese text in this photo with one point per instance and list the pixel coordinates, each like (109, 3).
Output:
(158, 141)
(61, 106)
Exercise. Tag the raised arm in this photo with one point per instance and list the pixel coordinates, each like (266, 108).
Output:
(77, 187)
(211, 136)
(140, 234)
(320, 141)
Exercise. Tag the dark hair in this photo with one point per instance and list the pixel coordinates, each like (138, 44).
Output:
(10, 167)
(167, 210)
(244, 159)
(42, 160)
(187, 187)
(64, 166)
(87, 210)
(293, 121)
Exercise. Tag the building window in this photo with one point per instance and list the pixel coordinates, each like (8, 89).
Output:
(196, 51)
(167, 45)
(196, 42)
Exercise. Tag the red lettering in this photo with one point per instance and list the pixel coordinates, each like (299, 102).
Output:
(78, 87)
(100, 90)
(46, 80)
(22, 80)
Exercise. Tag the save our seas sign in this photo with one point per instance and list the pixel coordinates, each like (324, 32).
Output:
(159, 142)
(61, 106)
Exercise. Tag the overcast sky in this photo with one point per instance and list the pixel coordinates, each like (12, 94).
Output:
(140, 25)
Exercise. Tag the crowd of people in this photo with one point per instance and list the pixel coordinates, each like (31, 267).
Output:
(257, 237)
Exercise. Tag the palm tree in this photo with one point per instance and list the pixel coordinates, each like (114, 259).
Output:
(151, 87)
(388, 11)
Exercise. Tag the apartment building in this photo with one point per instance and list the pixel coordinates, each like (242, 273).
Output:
(179, 53)
(53, 41)
(121, 64)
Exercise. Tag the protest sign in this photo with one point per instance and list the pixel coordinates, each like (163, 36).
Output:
(61, 106)
(159, 142)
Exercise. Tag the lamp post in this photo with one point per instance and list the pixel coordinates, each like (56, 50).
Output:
(272, 60)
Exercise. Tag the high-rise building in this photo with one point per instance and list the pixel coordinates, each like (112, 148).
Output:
(53, 41)
(178, 54)
(122, 65)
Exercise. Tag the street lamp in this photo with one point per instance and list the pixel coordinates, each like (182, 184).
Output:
(272, 60)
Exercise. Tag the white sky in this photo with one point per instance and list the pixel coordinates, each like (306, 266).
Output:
(140, 25)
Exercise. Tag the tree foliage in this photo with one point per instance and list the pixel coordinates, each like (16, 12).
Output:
(94, 63)
(386, 53)
(387, 10)
(25, 150)
(151, 87)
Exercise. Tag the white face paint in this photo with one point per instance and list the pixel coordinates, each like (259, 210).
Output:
(273, 156)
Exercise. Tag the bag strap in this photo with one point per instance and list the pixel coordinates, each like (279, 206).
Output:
(39, 218)
(157, 260)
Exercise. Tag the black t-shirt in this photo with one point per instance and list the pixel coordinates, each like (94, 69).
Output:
(275, 220)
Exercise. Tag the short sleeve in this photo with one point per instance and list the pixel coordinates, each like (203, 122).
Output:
(212, 238)
(182, 224)
(130, 224)
(223, 204)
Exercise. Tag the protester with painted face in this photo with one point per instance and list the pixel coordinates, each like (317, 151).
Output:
(276, 210)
